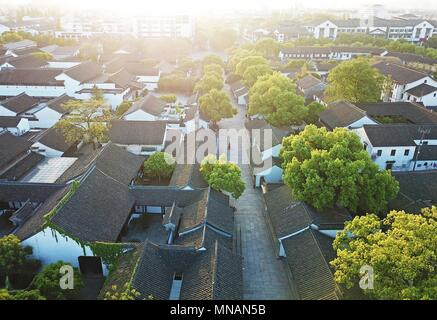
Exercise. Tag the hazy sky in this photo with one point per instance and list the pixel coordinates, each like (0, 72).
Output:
(214, 5)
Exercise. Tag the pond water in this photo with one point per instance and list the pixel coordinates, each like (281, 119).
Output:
(50, 246)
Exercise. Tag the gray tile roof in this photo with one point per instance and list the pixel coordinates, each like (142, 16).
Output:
(204, 237)
(53, 138)
(417, 190)
(188, 175)
(19, 44)
(21, 191)
(421, 90)
(36, 77)
(137, 132)
(341, 114)
(214, 274)
(413, 113)
(98, 210)
(24, 166)
(85, 71)
(312, 276)
(20, 103)
(9, 122)
(288, 215)
(24, 61)
(398, 135)
(411, 57)
(149, 104)
(399, 73)
(211, 209)
(58, 102)
(11, 147)
(36, 220)
(119, 164)
(308, 82)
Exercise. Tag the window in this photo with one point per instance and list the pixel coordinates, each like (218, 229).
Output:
(379, 153)
(407, 152)
(176, 286)
(393, 152)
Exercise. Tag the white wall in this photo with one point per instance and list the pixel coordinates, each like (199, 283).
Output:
(21, 128)
(62, 64)
(6, 112)
(271, 175)
(47, 118)
(401, 162)
(361, 122)
(34, 91)
(46, 151)
(140, 115)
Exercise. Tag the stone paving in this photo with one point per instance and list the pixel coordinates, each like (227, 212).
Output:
(264, 276)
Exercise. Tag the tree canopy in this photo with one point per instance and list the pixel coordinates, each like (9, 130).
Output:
(208, 82)
(401, 249)
(329, 169)
(268, 47)
(222, 175)
(356, 81)
(274, 97)
(216, 105)
(237, 56)
(213, 68)
(252, 73)
(13, 256)
(47, 282)
(159, 165)
(212, 59)
(248, 62)
(223, 38)
(86, 121)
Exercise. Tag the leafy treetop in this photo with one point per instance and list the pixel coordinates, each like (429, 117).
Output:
(329, 169)
(401, 249)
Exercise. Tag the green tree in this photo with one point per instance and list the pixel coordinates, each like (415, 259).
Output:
(212, 59)
(237, 56)
(329, 169)
(274, 97)
(213, 68)
(268, 47)
(313, 111)
(123, 107)
(216, 105)
(28, 295)
(223, 38)
(169, 98)
(208, 82)
(356, 81)
(186, 65)
(432, 42)
(159, 165)
(252, 73)
(15, 258)
(222, 175)
(248, 62)
(86, 121)
(47, 282)
(128, 293)
(401, 249)
(45, 56)
(7, 37)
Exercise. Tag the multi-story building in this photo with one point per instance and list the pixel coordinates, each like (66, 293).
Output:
(417, 30)
(150, 26)
(175, 26)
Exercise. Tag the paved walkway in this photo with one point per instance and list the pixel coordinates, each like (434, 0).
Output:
(264, 276)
